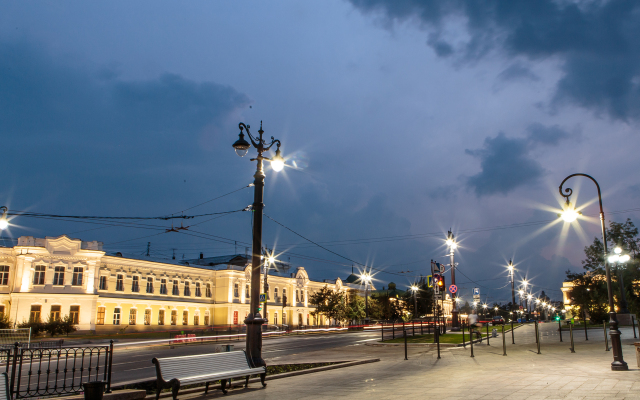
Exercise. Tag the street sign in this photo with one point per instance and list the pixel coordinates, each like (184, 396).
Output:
(263, 297)
(453, 288)
(476, 291)
(438, 297)
(430, 281)
(440, 268)
(436, 278)
(436, 290)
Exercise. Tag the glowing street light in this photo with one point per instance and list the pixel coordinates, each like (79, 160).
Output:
(4, 224)
(451, 243)
(569, 215)
(619, 260)
(366, 278)
(254, 320)
(414, 289)
(511, 269)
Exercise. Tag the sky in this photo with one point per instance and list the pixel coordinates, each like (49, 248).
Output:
(399, 120)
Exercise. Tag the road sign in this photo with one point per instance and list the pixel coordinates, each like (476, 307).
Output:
(430, 281)
(440, 268)
(436, 289)
(476, 291)
(436, 278)
(263, 297)
(453, 288)
(438, 297)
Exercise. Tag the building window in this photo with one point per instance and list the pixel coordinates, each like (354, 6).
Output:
(58, 276)
(275, 294)
(236, 292)
(34, 316)
(74, 313)
(176, 288)
(196, 320)
(161, 317)
(77, 276)
(208, 289)
(206, 319)
(55, 313)
(198, 291)
(4, 274)
(187, 289)
(116, 316)
(163, 286)
(185, 317)
(147, 317)
(1, 311)
(246, 291)
(284, 318)
(133, 316)
(120, 283)
(38, 276)
(100, 317)
(174, 317)
(275, 318)
(284, 299)
(149, 285)
(235, 318)
(103, 283)
(135, 285)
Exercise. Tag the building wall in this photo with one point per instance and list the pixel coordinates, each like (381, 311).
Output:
(41, 273)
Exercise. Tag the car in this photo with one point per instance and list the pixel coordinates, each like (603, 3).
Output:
(498, 320)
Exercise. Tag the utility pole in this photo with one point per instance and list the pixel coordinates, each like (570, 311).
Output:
(454, 310)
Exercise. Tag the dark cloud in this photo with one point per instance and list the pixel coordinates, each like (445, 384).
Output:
(506, 163)
(596, 40)
(516, 72)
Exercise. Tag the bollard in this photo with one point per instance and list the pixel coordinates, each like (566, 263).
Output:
(560, 329)
(471, 340)
(513, 339)
(422, 333)
(633, 323)
(606, 339)
(504, 343)
(586, 336)
(571, 336)
(382, 330)
(438, 341)
(488, 334)
(413, 326)
(463, 342)
(538, 337)
(393, 330)
(404, 332)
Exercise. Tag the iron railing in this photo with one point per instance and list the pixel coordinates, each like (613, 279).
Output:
(46, 372)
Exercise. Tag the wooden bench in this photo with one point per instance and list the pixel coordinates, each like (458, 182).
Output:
(172, 372)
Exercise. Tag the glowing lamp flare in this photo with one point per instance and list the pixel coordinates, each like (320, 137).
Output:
(569, 213)
(4, 224)
(277, 162)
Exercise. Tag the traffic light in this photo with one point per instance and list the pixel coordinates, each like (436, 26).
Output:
(441, 283)
(557, 317)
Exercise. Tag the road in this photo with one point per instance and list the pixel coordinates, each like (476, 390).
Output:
(134, 363)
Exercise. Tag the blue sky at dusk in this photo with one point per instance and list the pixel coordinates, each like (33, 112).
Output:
(404, 118)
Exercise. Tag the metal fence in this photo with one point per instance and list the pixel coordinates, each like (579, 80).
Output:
(36, 372)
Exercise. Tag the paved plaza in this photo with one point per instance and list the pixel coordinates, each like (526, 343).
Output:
(522, 374)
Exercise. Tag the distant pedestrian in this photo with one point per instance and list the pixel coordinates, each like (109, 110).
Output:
(474, 325)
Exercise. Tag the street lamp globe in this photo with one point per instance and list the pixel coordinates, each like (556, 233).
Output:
(414, 288)
(614, 258)
(277, 163)
(617, 250)
(569, 213)
(624, 258)
(4, 224)
(241, 145)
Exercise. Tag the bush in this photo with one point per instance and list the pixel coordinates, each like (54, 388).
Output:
(36, 326)
(67, 326)
(5, 322)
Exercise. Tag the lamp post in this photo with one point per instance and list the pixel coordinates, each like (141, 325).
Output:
(529, 297)
(254, 320)
(511, 270)
(365, 278)
(269, 260)
(569, 215)
(4, 224)
(451, 243)
(618, 259)
(414, 289)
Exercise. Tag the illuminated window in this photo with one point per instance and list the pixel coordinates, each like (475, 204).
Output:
(100, 316)
(236, 290)
(161, 317)
(133, 316)
(196, 320)
(55, 313)
(208, 290)
(175, 290)
(103, 283)
(187, 289)
(174, 317)
(74, 314)
(198, 291)
(147, 317)
(120, 283)
(275, 318)
(185, 317)
(135, 285)
(149, 285)
(163, 286)
(206, 319)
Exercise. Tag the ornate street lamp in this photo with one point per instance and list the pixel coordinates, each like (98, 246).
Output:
(365, 278)
(414, 289)
(254, 320)
(511, 269)
(570, 214)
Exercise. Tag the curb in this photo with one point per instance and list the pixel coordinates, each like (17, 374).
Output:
(341, 364)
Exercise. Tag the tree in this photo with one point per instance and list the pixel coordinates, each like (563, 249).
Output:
(355, 309)
(424, 300)
(5, 322)
(329, 303)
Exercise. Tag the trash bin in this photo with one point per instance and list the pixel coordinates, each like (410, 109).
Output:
(227, 347)
(638, 353)
(93, 390)
(494, 332)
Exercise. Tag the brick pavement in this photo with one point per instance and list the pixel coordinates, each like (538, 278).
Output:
(522, 374)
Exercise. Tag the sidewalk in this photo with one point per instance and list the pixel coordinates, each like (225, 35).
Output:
(522, 374)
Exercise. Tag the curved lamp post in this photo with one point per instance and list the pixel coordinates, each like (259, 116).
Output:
(569, 215)
(254, 320)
